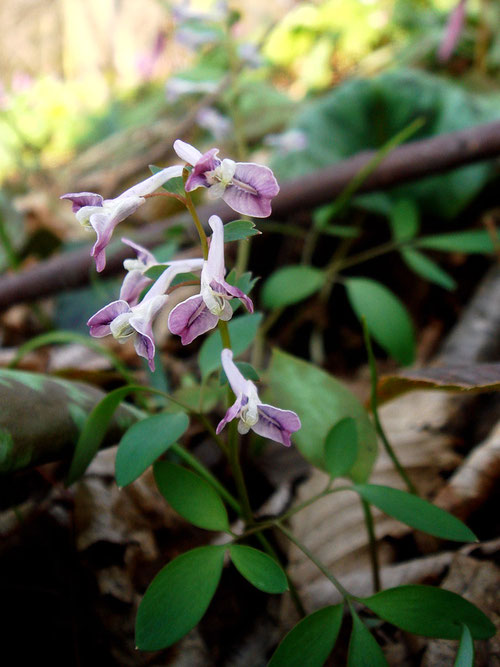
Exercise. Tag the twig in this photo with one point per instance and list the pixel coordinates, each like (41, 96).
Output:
(408, 162)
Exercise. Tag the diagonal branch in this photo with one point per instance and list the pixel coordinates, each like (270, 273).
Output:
(406, 163)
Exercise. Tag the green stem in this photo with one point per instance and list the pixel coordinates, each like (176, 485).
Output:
(224, 334)
(372, 542)
(345, 594)
(8, 248)
(233, 441)
(374, 405)
(243, 254)
(239, 480)
(199, 227)
(206, 474)
(294, 594)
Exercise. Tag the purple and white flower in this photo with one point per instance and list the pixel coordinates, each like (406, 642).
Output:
(201, 312)
(245, 186)
(102, 215)
(122, 320)
(135, 281)
(263, 419)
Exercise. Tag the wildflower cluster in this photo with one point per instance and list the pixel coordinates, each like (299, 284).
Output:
(248, 189)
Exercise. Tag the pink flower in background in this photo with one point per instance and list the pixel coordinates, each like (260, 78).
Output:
(123, 321)
(102, 215)
(146, 62)
(176, 87)
(212, 120)
(245, 186)
(263, 419)
(454, 27)
(287, 142)
(201, 312)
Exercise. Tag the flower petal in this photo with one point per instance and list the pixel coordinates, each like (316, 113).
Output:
(142, 322)
(186, 152)
(133, 284)
(191, 318)
(180, 266)
(152, 183)
(99, 323)
(231, 413)
(252, 189)
(207, 162)
(238, 383)
(81, 199)
(276, 424)
(454, 28)
(214, 266)
(143, 254)
(225, 288)
(104, 224)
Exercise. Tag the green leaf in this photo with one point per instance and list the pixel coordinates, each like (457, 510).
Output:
(247, 370)
(430, 611)
(174, 185)
(465, 655)
(245, 282)
(144, 442)
(364, 650)
(291, 284)
(311, 641)
(190, 495)
(95, 429)
(242, 331)
(341, 447)
(321, 217)
(239, 229)
(178, 597)
(386, 317)
(320, 401)
(425, 267)
(341, 231)
(471, 241)
(198, 398)
(404, 220)
(259, 569)
(415, 512)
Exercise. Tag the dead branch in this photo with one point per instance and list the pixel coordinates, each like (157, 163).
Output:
(406, 163)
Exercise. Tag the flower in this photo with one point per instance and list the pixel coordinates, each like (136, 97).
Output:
(135, 281)
(287, 142)
(210, 119)
(265, 420)
(102, 215)
(122, 320)
(201, 312)
(176, 87)
(245, 186)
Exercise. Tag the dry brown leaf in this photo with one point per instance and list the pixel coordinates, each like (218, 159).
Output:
(473, 482)
(468, 378)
